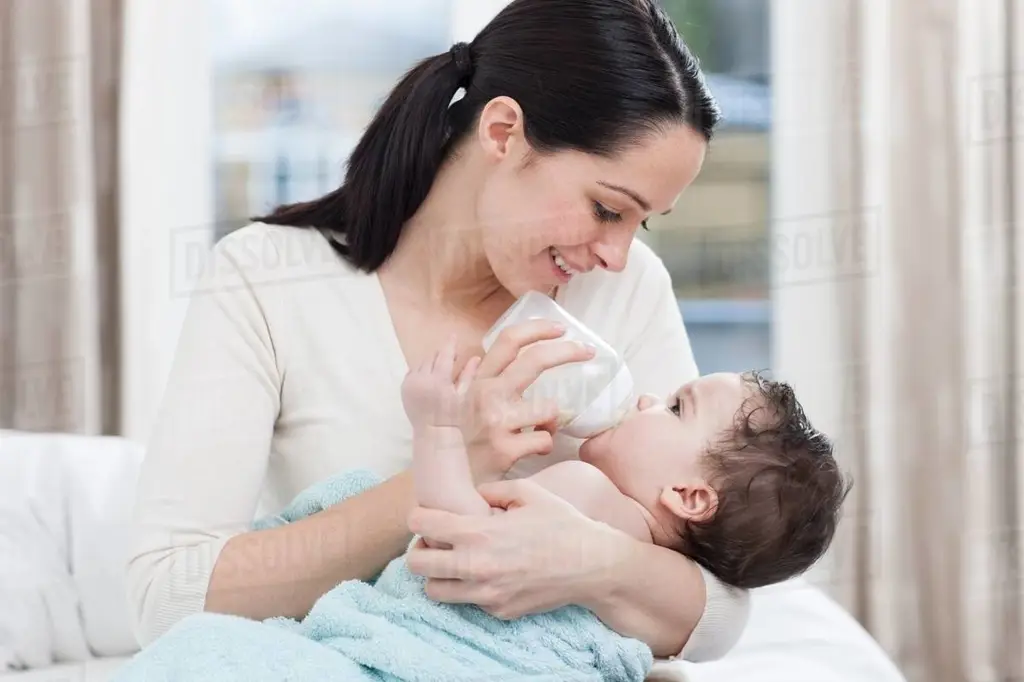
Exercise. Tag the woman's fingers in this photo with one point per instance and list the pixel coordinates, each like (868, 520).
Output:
(516, 493)
(498, 414)
(444, 361)
(513, 339)
(527, 443)
(525, 369)
(452, 591)
(467, 374)
(442, 526)
(438, 564)
(528, 413)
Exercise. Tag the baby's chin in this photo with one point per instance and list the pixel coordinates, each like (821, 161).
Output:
(595, 449)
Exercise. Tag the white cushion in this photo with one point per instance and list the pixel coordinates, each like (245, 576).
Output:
(94, 670)
(84, 486)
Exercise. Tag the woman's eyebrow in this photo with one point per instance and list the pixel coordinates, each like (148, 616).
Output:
(643, 203)
(640, 201)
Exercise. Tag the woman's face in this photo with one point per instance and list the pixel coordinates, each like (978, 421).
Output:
(546, 218)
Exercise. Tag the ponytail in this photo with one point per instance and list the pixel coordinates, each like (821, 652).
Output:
(392, 167)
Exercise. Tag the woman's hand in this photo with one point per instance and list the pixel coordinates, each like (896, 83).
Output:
(498, 426)
(540, 554)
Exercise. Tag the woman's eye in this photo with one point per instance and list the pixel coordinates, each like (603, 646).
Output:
(606, 215)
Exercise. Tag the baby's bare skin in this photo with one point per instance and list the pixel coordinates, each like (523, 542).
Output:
(641, 477)
(442, 472)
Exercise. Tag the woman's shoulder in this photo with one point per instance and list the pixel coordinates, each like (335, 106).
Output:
(259, 252)
(277, 273)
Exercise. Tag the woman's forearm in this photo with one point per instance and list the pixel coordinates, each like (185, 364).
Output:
(282, 571)
(649, 593)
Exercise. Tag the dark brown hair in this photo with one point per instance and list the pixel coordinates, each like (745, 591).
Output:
(779, 490)
(590, 76)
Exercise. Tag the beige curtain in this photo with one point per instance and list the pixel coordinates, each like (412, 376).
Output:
(59, 291)
(921, 353)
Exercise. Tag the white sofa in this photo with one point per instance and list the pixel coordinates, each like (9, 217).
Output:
(65, 502)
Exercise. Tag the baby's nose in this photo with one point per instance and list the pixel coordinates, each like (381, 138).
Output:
(646, 402)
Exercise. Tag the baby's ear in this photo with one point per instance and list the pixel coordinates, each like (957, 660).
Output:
(693, 500)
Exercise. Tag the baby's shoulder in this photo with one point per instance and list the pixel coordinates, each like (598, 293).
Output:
(594, 495)
(581, 484)
(577, 473)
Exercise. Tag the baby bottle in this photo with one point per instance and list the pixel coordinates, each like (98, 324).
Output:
(592, 396)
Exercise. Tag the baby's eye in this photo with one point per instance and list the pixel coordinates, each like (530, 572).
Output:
(674, 407)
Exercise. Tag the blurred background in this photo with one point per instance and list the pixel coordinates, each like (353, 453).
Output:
(856, 230)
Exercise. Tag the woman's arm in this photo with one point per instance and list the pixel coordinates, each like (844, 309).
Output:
(650, 593)
(282, 571)
(662, 598)
(646, 591)
(206, 462)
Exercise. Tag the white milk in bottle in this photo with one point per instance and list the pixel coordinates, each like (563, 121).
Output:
(593, 396)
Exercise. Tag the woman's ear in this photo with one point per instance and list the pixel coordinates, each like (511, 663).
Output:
(690, 501)
(501, 123)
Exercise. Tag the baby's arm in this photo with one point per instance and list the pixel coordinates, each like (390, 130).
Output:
(440, 465)
(441, 472)
(586, 487)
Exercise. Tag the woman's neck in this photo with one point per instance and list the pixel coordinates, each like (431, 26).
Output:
(440, 253)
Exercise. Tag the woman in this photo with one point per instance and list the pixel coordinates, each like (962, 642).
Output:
(580, 118)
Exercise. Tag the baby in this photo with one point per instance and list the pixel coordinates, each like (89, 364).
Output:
(728, 471)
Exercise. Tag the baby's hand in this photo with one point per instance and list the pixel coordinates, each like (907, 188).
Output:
(430, 394)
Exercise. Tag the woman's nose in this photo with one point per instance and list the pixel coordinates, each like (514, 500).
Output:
(613, 250)
(646, 402)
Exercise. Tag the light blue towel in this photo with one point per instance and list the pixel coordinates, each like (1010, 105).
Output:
(388, 630)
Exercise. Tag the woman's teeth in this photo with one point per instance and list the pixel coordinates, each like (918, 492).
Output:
(560, 262)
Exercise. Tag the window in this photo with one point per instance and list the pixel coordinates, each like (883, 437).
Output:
(717, 242)
(294, 89)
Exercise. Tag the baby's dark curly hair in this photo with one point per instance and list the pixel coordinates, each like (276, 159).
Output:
(779, 492)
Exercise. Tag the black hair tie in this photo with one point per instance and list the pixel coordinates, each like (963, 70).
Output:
(463, 59)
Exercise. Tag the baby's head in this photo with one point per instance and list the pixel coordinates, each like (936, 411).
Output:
(731, 473)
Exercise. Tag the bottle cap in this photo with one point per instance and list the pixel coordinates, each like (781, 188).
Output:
(600, 415)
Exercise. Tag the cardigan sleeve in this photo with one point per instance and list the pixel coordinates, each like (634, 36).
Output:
(207, 455)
